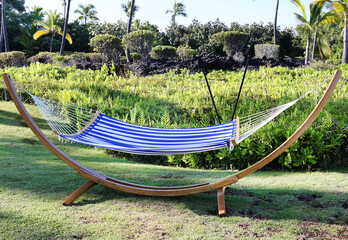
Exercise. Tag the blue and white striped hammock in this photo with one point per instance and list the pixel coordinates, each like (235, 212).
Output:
(93, 128)
(110, 133)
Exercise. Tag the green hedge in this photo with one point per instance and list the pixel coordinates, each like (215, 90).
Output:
(231, 40)
(163, 52)
(269, 51)
(186, 53)
(181, 100)
(12, 59)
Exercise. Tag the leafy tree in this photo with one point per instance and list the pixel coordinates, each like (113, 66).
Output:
(200, 36)
(87, 13)
(62, 46)
(233, 42)
(178, 10)
(177, 35)
(139, 41)
(118, 29)
(17, 5)
(50, 26)
(341, 8)
(310, 24)
(27, 41)
(81, 36)
(108, 45)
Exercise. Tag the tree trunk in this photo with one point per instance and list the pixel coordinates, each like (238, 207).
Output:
(307, 48)
(344, 55)
(314, 44)
(51, 46)
(3, 28)
(62, 46)
(129, 59)
(275, 25)
(64, 6)
(1, 39)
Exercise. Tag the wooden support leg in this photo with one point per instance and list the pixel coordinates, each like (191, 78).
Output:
(221, 201)
(81, 190)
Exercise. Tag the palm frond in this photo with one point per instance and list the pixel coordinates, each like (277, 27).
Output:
(40, 33)
(299, 4)
(67, 37)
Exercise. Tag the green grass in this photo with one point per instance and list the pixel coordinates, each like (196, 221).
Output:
(267, 204)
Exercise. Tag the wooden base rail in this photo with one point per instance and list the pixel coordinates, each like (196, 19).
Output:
(98, 178)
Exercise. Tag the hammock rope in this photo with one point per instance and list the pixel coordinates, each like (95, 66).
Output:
(88, 126)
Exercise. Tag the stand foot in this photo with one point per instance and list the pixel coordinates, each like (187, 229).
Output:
(81, 190)
(221, 201)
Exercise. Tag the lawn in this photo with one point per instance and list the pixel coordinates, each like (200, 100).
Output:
(267, 204)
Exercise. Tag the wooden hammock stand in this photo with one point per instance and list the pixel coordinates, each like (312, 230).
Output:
(98, 178)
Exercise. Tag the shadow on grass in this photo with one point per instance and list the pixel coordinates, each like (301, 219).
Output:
(32, 168)
(51, 179)
(14, 119)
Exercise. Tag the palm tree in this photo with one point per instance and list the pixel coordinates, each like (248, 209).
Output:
(341, 8)
(4, 36)
(275, 24)
(311, 24)
(64, 6)
(128, 9)
(327, 18)
(87, 12)
(178, 10)
(66, 10)
(50, 26)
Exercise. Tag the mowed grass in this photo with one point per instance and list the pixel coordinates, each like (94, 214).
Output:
(273, 205)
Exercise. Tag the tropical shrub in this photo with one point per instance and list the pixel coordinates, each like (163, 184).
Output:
(139, 41)
(163, 52)
(43, 57)
(232, 41)
(108, 45)
(12, 59)
(96, 59)
(200, 36)
(118, 29)
(269, 51)
(177, 35)
(135, 56)
(185, 53)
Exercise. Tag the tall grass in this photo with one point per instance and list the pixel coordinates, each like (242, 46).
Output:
(181, 100)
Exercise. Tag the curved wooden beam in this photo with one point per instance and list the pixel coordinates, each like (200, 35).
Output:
(102, 179)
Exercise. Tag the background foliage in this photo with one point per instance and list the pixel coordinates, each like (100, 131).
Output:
(181, 100)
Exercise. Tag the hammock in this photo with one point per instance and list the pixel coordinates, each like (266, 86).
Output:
(96, 178)
(85, 126)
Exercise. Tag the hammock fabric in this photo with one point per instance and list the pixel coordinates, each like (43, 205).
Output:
(86, 126)
(110, 133)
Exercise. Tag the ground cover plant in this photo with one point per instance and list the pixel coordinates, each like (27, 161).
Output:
(268, 204)
(181, 100)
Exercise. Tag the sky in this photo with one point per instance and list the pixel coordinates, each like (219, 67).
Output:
(228, 11)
